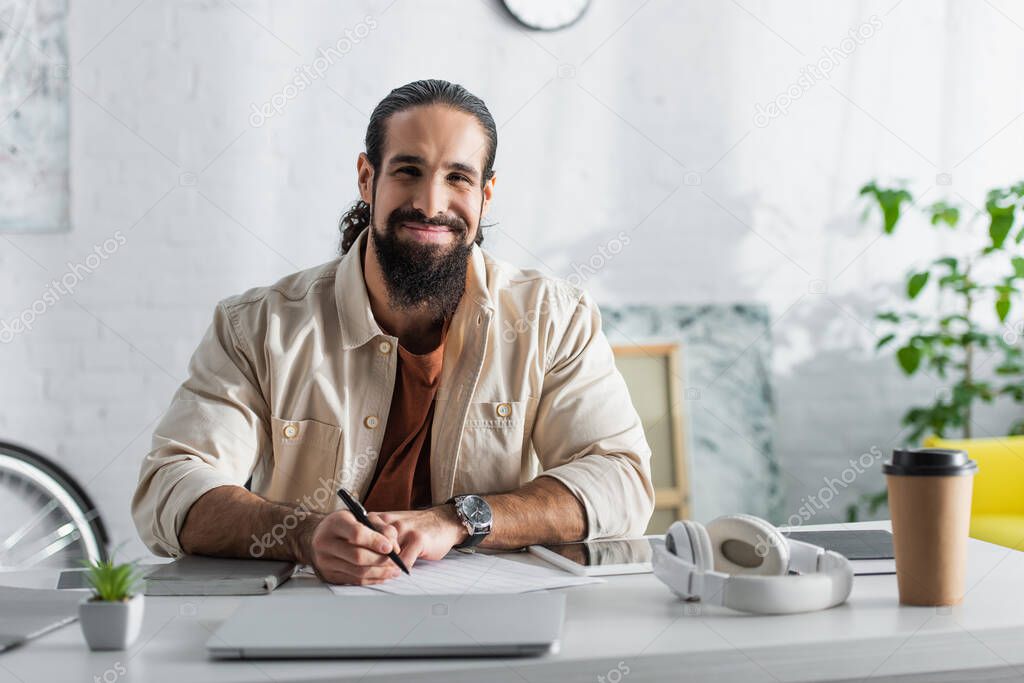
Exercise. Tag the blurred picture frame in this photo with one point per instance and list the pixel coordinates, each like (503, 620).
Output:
(653, 373)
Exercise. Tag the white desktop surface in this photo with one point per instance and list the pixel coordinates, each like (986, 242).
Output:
(628, 629)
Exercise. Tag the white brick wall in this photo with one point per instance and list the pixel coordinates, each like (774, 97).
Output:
(166, 89)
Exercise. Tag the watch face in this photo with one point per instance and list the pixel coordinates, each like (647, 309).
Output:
(477, 511)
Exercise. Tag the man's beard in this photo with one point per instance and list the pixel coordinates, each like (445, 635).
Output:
(420, 275)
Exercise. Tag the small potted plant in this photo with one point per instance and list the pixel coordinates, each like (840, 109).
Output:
(112, 616)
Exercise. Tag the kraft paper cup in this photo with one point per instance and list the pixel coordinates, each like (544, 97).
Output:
(930, 502)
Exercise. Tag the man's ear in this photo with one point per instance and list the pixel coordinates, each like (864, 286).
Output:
(364, 174)
(488, 194)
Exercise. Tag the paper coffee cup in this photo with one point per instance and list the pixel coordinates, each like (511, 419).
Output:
(930, 502)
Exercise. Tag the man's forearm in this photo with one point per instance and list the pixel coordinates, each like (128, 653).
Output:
(230, 521)
(540, 511)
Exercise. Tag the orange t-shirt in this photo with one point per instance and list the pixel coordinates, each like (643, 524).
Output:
(402, 478)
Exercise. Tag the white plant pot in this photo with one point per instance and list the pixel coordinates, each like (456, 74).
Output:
(111, 625)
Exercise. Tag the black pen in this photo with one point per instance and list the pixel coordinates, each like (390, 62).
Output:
(357, 509)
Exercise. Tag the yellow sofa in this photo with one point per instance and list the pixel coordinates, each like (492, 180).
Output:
(997, 504)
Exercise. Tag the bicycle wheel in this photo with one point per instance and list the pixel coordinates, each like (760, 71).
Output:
(46, 518)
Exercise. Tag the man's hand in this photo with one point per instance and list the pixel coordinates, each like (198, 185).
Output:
(343, 551)
(429, 533)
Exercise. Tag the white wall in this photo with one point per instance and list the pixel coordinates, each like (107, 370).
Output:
(648, 126)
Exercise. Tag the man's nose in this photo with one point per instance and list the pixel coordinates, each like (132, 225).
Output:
(431, 199)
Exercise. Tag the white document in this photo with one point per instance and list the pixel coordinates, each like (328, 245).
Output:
(472, 573)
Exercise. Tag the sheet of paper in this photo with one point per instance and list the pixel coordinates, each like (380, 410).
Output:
(474, 573)
(306, 570)
(352, 590)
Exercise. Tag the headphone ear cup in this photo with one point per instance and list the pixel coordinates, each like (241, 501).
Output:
(688, 540)
(744, 544)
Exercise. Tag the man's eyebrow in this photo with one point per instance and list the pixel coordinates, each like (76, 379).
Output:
(465, 168)
(420, 161)
(406, 159)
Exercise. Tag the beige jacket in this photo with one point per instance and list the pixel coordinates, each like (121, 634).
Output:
(292, 384)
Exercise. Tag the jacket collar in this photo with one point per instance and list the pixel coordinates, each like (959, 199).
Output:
(358, 325)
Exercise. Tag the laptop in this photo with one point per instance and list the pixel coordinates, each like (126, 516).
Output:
(282, 626)
(27, 613)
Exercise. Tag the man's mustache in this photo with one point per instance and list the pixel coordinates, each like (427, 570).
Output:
(399, 216)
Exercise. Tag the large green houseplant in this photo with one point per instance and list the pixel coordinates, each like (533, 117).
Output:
(964, 336)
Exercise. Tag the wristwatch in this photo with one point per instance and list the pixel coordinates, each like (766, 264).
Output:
(475, 514)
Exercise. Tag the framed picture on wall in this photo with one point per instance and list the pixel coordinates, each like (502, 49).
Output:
(652, 373)
(34, 121)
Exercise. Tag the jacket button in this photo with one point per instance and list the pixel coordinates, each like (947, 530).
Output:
(290, 430)
(384, 347)
(370, 421)
(503, 410)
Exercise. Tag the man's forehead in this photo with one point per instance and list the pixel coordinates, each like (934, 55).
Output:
(436, 135)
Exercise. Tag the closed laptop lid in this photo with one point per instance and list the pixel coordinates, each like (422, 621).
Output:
(30, 612)
(288, 626)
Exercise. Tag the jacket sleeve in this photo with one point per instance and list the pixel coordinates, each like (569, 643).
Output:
(587, 433)
(212, 435)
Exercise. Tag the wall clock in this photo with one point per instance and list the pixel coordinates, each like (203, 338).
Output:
(546, 15)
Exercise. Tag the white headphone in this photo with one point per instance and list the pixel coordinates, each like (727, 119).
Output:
(742, 562)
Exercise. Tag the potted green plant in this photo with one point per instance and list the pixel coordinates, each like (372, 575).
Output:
(111, 617)
(964, 336)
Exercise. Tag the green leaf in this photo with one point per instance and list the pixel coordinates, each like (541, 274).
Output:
(1001, 220)
(884, 340)
(1002, 307)
(909, 358)
(889, 201)
(942, 212)
(888, 316)
(916, 284)
(1018, 266)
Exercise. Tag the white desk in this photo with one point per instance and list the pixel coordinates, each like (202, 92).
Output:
(630, 623)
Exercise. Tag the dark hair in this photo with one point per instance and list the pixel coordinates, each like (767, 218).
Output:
(416, 94)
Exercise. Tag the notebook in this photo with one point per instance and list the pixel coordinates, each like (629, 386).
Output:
(198, 575)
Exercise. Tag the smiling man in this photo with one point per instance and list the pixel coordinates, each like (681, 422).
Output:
(464, 401)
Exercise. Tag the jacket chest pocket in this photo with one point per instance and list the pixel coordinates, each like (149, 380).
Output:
(306, 456)
(492, 445)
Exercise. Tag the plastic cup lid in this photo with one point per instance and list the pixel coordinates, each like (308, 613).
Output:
(929, 462)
